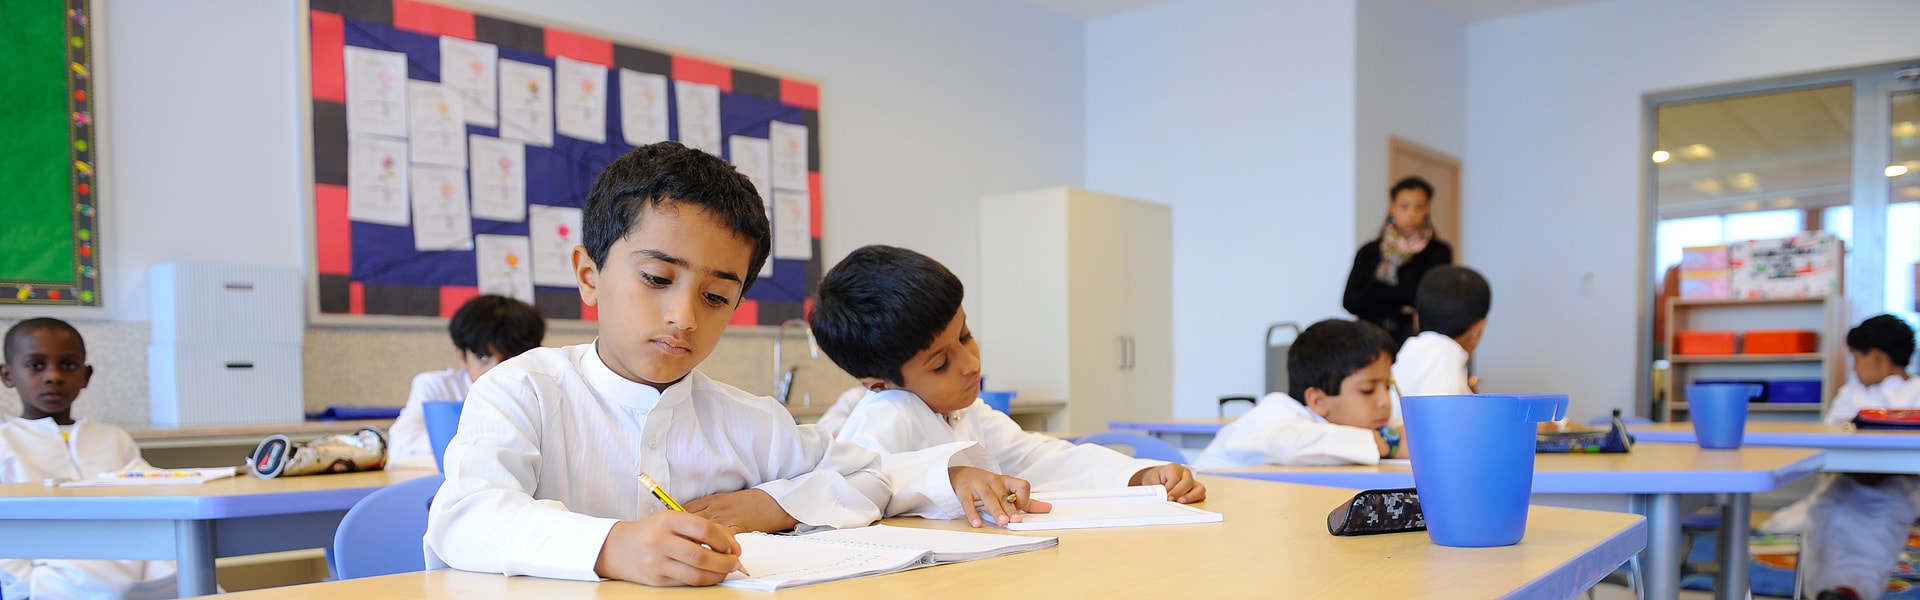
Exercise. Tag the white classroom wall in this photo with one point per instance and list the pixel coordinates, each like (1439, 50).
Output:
(1240, 115)
(1555, 158)
(1411, 84)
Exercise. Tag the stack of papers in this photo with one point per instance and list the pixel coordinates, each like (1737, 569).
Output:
(785, 561)
(154, 477)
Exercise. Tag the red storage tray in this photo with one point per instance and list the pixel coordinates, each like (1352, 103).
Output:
(1703, 342)
(1782, 341)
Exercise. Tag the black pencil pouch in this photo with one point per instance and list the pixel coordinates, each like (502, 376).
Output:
(1378, 511)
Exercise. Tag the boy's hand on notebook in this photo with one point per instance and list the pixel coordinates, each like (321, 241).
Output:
(744, 510)
(1181, 485)
(1002, 497)
(668, 548)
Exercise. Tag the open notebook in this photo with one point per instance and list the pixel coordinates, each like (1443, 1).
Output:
(784, 561)
(1124, 507)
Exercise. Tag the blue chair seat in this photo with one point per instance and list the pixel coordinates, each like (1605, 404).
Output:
(1144, 446)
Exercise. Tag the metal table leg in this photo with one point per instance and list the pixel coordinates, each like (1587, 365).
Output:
(193, 545)
(1732, 550)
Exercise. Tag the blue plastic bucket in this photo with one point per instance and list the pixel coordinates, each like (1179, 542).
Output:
(1719, 413)
(1000, 401)
(443, 419)
(1473, 463)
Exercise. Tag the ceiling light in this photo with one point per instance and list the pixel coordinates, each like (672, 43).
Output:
(1707, 186)
(1896, 170)
(1786, 202)
(1697, 152)
(1749, 206)
(1661, 156)
(1905, 129)
(1744, 181)
(1912, 191)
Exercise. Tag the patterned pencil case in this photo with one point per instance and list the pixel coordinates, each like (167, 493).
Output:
(1378, 511)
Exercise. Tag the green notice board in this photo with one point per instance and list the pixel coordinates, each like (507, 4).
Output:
(49, 245)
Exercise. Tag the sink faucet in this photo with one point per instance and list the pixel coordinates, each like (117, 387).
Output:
(783, 381)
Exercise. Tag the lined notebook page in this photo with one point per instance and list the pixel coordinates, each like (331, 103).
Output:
(779, 561)
(947, 546)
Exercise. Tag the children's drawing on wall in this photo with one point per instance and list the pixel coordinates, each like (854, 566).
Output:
(503, 264)
(643, 107)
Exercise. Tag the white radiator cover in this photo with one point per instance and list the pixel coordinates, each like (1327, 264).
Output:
(226, 345)
(201, 302)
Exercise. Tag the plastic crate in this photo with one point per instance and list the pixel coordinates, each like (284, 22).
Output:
(1782, 341)
(1703, 342)
(1797, 391)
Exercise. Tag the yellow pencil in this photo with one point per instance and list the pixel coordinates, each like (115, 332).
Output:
(660, 493)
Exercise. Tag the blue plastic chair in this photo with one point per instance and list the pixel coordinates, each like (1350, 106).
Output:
(381, 534)
(1144, 446)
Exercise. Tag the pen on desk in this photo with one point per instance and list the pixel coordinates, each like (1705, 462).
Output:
(660, 493)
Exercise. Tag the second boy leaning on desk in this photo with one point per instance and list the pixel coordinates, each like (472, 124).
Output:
(1336, 410)
(542, 478)
(892, 318)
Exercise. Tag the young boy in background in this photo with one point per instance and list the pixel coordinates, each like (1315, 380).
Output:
(892, 318)
(1858, 522)
(1336, 410)
(1450, 310)
(46, 360)
(541, 479)
(487, 330)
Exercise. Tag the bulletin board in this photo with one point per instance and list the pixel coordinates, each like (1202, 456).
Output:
(48, 236)
(453, 150)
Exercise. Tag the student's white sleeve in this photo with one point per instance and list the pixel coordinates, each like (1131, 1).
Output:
(918, 474)
(836, 416)
(408, 436)
(485, 517)
(1435, 371)
(1050, 463)
(1846, 404)
(128, 452)
(822, 483)
(1294, 442)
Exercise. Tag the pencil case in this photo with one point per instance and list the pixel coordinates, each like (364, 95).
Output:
(1613, 440)
(277, 456)
(1887, 418)
(1378, 511)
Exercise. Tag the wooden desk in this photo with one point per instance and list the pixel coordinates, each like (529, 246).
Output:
(192, 524)
(1652, 477)
(1848, 450)
(1182, 433)
(1274, 542)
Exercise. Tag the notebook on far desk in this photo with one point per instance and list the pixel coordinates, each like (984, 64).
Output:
(784, 561)
(1125, 507)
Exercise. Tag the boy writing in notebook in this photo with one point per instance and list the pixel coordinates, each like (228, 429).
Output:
(542, 478)
(46, 361)
(1858, 522)
(891, 317)
(486, 330)
(1336, 410)
(1450, 310)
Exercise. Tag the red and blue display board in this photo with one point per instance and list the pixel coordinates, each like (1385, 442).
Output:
(375, 268)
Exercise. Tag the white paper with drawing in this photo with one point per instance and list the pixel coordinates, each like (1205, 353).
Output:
(468, 69)
(438, 131)
(503, 266)
(789, 143)
(643, 107)
(555, 231)
(699, 106)
(526, 103)
(376, 91)
(377, 179)
(1125, 507)
(780, 562)
(440, 219)
(792, 225)
(580, 97)
(499, 179)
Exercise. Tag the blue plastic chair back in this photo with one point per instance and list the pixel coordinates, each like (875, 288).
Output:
(381, 534)
(1144, 446)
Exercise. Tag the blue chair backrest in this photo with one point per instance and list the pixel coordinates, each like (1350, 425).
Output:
(381, 534)
(1144, 446)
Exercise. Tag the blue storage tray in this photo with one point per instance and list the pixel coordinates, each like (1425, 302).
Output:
(1796, 391)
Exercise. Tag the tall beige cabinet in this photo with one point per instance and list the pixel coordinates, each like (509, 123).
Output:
(1076, 303)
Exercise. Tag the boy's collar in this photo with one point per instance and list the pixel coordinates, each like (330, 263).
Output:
(611, 387)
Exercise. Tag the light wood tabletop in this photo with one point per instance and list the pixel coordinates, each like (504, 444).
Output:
(1274, 541)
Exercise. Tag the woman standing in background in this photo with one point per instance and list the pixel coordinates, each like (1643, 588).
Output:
(1387, 269)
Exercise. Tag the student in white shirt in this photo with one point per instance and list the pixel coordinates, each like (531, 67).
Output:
(46, 360)
(1450, 310)
(1858, 523)
(892, 318)
(1335, 412)
(541, 479)
(486, 331)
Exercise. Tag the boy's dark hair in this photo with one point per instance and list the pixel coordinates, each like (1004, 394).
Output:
(489, 323)
(881, 306)
(30, 326)
(1451, 299)
(1886, 333)
(1328, 351)
(657, 173)
(1411, 182)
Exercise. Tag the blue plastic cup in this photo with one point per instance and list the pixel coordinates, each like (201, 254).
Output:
(443, 420)
(1719, 413)
(1000, 401)
(1473, 463)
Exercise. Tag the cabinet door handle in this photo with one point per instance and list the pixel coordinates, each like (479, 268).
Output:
(1130, 355)
(1123, 353)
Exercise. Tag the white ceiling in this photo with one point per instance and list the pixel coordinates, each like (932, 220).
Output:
(1466, 10)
